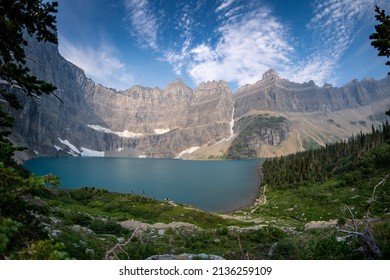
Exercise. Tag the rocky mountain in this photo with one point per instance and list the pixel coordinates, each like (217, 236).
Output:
(271, 117)
(276, 116)
(273, 93)
(138, 122)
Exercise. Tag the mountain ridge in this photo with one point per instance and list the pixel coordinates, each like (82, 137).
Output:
(194, 123)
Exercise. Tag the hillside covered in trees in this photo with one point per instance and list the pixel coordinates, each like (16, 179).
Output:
(317, 165)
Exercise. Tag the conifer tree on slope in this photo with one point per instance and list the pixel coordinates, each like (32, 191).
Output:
(17, 19)
(381, 38)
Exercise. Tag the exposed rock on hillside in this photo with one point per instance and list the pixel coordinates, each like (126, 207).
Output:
(208, 121)
(255, 132)
(138, 122)
(275, 94)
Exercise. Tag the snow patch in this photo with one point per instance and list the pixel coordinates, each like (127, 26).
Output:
(142, 156)
(36, 152)
(73, 150)
(124, 134)
(57, 148)
(161, 130)
(85, 152)
(128, 134)
(188, 151)
(100, 128)
(120, 149)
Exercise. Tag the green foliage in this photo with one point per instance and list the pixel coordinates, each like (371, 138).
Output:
(19, 226)
(44, 250)
(8, 228)
(316, 185)
(140, 251)
(381, 230)
(17, 19)
(310, 144)
(97, 202)
(320, 164)
(36, 19)
(107, 227)
(285, 249)
(322, 244)
(381, 38)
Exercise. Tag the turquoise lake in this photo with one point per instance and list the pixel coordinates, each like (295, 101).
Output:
(217, 186)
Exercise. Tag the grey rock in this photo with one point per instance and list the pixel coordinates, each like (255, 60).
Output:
(185, 257)
(162, 122)
(280, 95)
(81, 229)
(89, 251)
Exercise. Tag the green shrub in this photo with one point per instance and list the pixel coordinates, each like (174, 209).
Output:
(285, 249)
(107, 227)
(381, 232)
(326, 247)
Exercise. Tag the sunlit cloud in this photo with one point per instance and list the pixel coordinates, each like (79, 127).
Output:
(250, 43)
(232, 40)
(247, 47)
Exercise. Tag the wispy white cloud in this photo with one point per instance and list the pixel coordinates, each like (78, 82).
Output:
(224, 4)
(248, 46)
(178, 56)
(99, 64)
(143, 22)
(250, 39)
(334, 25)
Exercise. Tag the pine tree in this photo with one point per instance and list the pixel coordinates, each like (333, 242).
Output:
(381, 38)
(18, 19)
(18, 226)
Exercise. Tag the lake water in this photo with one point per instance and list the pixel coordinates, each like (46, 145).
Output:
(217, 186)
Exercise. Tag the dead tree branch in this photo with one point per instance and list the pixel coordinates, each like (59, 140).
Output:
(377, 185)
(370, 248)
(119, 246)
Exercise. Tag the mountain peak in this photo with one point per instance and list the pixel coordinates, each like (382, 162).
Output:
(178, 81)
(270, 75)
(178, 85)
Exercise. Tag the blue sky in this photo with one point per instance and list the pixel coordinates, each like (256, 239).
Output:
(122, 43)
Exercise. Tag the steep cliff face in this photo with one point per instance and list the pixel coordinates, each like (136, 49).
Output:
(275, 94)
(212, 102)
(256, 131)
(308, 113)
(42, 122)
(271, 117)
(138, 122)
(142, 110)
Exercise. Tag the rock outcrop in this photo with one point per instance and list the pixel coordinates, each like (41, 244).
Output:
(177, 121)
(185, 257)
(280, 95)
(256, 131)
(138, 122)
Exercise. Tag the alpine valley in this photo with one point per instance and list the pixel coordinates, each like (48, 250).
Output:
(272, 117)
